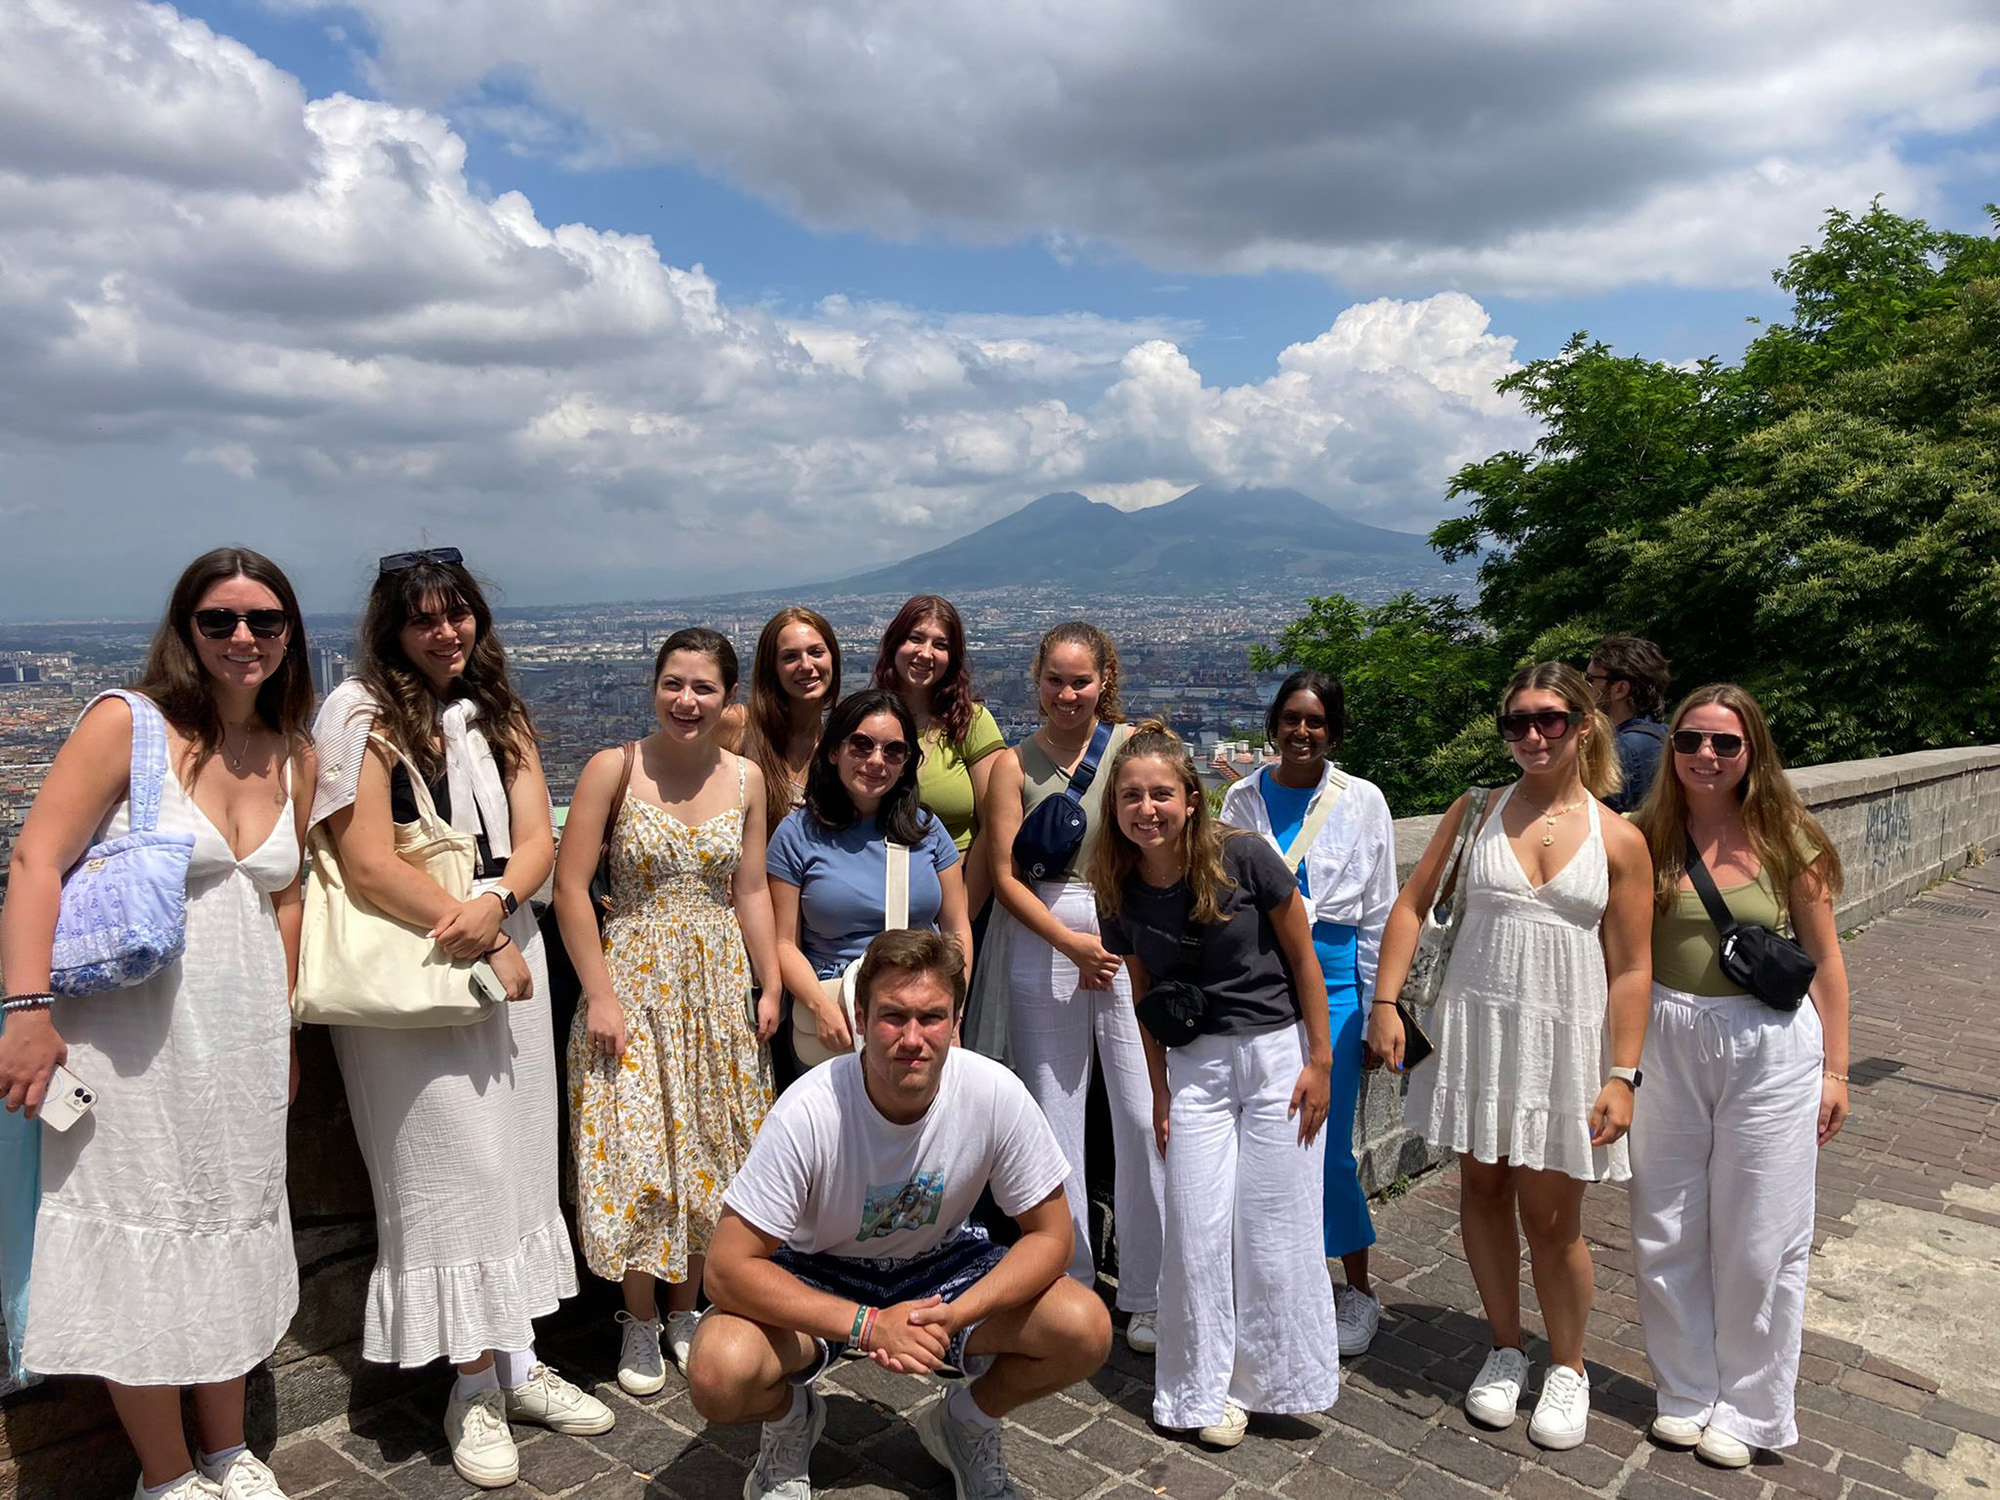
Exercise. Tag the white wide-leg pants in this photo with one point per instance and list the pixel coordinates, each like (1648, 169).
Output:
(1055, 1029)
(1724, 1152)
(1246, 1306)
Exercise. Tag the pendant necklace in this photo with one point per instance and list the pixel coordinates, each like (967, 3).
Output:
(1549, 816)
(236, 761)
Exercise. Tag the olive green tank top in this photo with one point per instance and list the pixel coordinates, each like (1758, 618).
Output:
(1043, 778)
(1687, 950)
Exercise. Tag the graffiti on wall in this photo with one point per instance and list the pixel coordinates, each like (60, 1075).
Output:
(1886, 838)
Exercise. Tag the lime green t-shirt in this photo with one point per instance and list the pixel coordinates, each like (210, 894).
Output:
(944, 778)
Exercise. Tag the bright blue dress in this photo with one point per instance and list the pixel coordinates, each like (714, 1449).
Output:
(1346, 1224)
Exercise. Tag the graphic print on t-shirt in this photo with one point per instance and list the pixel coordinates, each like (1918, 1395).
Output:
(902, 1205)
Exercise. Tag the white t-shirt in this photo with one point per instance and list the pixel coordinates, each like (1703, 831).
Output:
(829, 1175)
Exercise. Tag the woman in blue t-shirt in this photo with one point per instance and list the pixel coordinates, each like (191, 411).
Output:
(829, 861)
(1347, 872)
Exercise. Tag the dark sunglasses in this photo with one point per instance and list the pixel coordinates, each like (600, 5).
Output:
(220, 624)
(1550, 723)
(861, 746)
(1689, 741)
(395, 562)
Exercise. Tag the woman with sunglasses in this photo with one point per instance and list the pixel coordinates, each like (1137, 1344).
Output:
(1069, 999)
(1739, 1096)
(1540, 1016)
(163, 1245)
(1347, 873)
(457, 1124)
(922, 660)
(829, 861)
(794, 680)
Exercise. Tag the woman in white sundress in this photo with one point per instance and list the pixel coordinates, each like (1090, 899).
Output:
(1554, 950)
(163, 1245)
(456, 1124)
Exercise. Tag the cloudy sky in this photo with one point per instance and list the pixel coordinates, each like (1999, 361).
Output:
(637, 300)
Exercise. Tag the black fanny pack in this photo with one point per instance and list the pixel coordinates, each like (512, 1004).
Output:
(1767, 964)
(1173, 1010)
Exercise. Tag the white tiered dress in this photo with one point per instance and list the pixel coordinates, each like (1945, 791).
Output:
(1519, 1024)
(163, 1247)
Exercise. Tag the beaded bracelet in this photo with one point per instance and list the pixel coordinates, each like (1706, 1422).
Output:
(34, 1000)
(1836, 1077)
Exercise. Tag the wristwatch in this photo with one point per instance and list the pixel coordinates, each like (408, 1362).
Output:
(509, 902)
(1629, 1075)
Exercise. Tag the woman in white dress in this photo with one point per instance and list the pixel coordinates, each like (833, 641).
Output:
(1555, 946)
(163, 1246)
(457, 1124)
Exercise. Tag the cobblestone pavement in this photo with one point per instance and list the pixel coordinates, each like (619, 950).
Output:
(1925, 1138)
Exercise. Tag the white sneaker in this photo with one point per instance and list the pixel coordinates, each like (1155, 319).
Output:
(1494, 1396)
(1357, 1315)
(244, 1477)
(680, 1336)
(1722, 1450)
(1229, 1431)
(1142, 1333)
(641, 1369)
(190, 1486)
(549, 1401)
(482, 1449)
(784, 1451)
(1563, 1411)
(1675, 1432)
(971, 1455)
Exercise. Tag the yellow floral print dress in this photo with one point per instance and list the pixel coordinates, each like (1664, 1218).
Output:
(660, 1132)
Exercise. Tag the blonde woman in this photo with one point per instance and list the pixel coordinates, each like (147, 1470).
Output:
(1246, 1310)
(1552, 955)
(1739, 1096)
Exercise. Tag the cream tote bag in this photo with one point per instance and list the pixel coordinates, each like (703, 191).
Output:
(359, 966)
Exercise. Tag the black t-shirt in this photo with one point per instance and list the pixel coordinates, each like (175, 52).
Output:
(1243, 970)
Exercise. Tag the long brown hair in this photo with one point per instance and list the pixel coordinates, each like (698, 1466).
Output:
(1597, 755)
(1787, 837)
(954, 698)
(406, 709)
(1103, 655)
(1114, 857)
(173, 677)
(770, 716)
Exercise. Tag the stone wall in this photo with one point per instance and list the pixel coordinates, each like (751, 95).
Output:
(1901, 823)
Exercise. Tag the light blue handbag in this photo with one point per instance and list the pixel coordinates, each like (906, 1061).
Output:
(124, 905)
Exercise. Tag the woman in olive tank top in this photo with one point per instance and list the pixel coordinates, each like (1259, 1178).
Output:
(1737, 1096)
(1069, 998)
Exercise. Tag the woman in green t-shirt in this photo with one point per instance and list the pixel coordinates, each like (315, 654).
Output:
(923, 662)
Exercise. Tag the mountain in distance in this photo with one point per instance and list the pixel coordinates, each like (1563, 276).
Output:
(1206, 541)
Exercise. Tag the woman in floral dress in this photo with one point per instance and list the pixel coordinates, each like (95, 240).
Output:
(669, 1075)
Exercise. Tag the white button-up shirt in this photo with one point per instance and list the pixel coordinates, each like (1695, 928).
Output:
(1351, 866)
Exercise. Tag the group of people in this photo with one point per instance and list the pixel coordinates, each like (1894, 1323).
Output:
(847, 966)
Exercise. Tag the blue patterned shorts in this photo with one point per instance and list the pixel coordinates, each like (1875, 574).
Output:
(946, 1272)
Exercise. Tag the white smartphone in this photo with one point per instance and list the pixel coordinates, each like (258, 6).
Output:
(67, 1099)
(487, 983)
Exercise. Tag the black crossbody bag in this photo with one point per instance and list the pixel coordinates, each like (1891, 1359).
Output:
(1767, 964)
(1173, 1009)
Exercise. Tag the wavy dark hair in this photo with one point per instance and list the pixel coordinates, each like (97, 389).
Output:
(1103, 655)
(173, 676)
(1114, 857)
(699, 639)
(1332, 699)
(405, 706)
(902, 817)
(770, 714)
(954, 698)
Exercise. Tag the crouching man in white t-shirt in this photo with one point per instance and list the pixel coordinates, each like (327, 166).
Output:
(848, 1225)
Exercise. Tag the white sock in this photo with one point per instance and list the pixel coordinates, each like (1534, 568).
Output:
(961, 1407)
(217, 1460)
(470, 1385)
(154, 1491)
(515, 1366)
(800, 1405)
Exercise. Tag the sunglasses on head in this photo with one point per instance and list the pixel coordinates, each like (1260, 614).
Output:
(396, 562)
(1689, 741)
(861, 746)
(220, 624)
(1549, 723)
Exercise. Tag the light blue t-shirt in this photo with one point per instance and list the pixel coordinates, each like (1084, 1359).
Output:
(840, 873)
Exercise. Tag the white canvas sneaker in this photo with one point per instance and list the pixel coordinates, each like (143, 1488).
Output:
(244, 1477)
(680, 1336)
(1722, 1450)
(1563, 1412)
(190, 1486)
(1675, 1432)
(784, 1451)
(1142, 1333)
(1229, 1431)
(1494, 1397)
(482, 1449)
(1357, 1315)
(642, 1370)
(549, 1401)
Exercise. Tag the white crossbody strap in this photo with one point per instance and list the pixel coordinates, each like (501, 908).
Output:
(1315, 820)
(896, 889)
